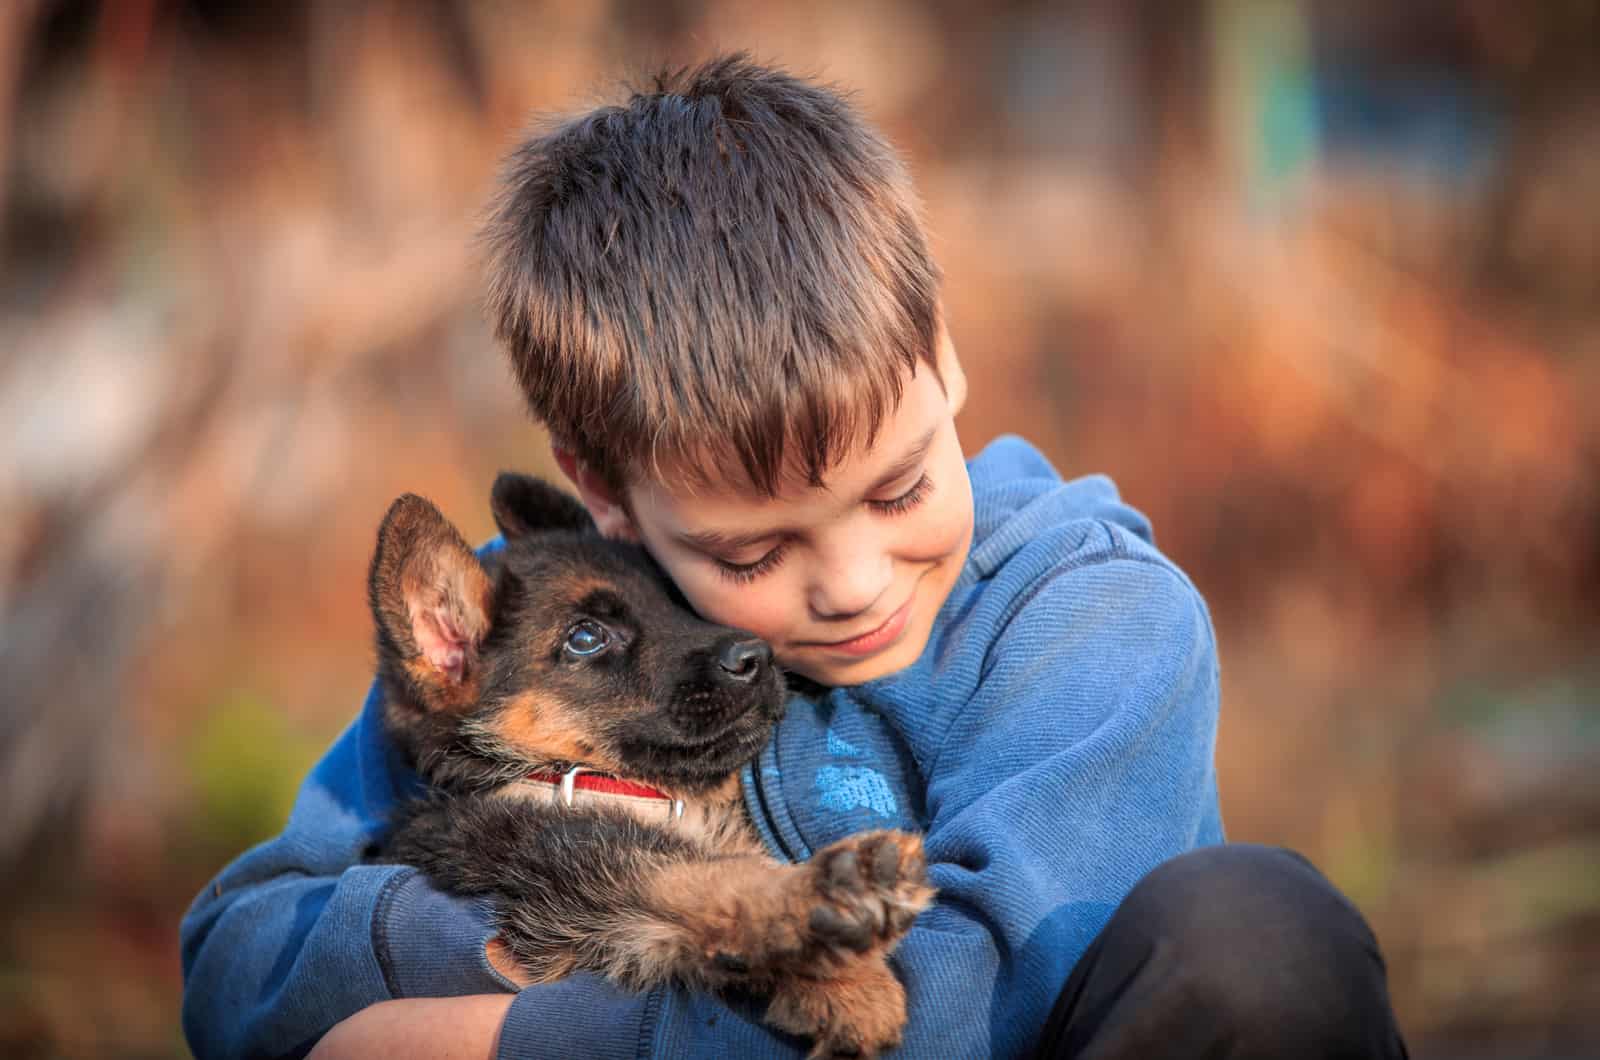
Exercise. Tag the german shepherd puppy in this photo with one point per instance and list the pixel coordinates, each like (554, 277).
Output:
(512, 680)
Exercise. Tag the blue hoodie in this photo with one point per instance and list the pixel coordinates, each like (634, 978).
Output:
(1053, 743)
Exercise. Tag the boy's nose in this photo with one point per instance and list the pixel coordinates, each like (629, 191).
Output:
(850, 586)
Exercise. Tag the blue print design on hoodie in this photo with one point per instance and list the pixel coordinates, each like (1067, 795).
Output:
(846, 788)
(839, 747)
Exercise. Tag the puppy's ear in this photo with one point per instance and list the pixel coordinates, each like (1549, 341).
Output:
(525, 505)
(432, 601)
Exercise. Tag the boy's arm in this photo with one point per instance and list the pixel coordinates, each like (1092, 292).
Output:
(432, 1028)
(1084, 759)
(297, 934)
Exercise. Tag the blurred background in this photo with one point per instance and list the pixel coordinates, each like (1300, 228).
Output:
(1317, 283)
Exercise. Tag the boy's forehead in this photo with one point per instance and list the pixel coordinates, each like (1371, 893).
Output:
(711, 486)
(716, 478)
(681, 471)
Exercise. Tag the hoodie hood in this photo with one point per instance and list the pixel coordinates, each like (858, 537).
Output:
(1017, 495)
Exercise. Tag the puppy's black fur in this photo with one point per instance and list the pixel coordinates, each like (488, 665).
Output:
(566, 649)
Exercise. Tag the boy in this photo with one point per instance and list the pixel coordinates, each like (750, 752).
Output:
(718, 298)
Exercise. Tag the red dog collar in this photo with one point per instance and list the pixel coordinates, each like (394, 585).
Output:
(579, 778)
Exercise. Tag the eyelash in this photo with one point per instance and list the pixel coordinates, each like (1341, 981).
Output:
(907, 500)
(743, 573)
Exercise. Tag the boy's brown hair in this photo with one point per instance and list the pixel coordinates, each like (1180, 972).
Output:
(725, 272)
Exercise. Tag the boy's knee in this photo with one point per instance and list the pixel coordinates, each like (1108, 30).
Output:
(1212, 892)
(1232, 951)
(1259, 940)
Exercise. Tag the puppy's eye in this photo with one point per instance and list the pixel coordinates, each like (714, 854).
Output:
(587, 638)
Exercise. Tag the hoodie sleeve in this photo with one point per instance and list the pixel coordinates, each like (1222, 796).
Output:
(297, 933)
(1083, 759)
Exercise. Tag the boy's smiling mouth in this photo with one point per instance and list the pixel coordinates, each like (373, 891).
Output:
(874, 640)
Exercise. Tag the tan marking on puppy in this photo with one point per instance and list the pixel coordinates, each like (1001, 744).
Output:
(555, 970)
(859, 1010)
(540, 728)
(443, 695)
(502, 960)
(692, 913)
(726, 792)
(716, 818)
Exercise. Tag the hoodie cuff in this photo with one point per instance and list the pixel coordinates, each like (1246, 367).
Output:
(582, 1017)
(432, 944)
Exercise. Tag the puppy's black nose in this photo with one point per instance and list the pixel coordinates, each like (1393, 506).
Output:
(744, 659)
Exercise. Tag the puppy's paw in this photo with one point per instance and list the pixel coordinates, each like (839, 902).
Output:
(859, 1013)
(753, 925)
(869, 888)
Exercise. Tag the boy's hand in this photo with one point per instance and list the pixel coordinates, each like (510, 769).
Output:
(446, 1028)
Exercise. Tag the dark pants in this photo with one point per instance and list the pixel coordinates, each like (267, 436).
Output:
(1237, 952)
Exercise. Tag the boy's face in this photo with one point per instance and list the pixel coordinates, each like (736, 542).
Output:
(844, 580)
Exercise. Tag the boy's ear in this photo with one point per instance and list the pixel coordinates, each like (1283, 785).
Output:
(950, 373)
(525, 505)
(432, 601)
(608, 510)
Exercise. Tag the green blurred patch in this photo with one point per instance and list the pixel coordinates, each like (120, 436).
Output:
(1542, 888)
(245, 762)
(1554, 717)
(1364, 863)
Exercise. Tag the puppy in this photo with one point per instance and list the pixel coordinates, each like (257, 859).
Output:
(582, 733)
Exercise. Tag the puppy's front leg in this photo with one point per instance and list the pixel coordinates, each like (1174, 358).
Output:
(602, 892)
(814, 937)
(753, 918)
(857, 1012)
(573, 889)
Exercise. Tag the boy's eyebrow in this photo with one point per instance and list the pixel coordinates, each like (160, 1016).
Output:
(718, 541)
(906, 464)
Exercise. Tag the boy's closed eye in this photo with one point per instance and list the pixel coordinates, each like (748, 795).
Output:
(898, 504)
(906, 501)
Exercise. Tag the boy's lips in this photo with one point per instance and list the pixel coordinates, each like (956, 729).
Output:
(873, 640)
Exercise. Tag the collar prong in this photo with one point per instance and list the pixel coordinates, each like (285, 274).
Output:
(569, 784)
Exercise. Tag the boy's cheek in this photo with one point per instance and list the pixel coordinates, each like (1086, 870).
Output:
(949, 525)
(745, 608)
(718, 600)
(953, 526)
